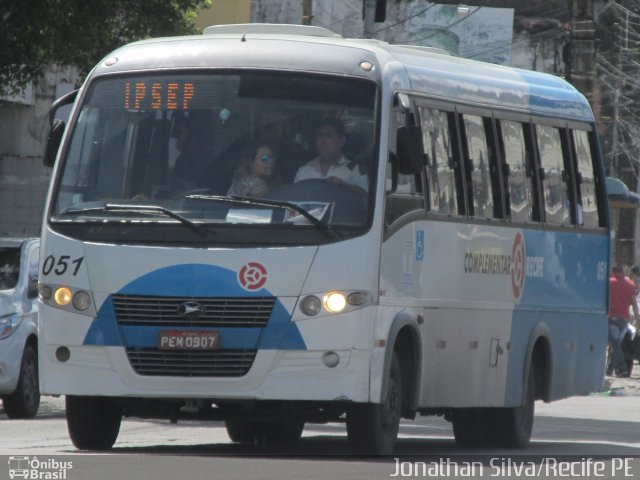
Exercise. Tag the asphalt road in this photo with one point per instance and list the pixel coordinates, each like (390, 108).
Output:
(579, 434)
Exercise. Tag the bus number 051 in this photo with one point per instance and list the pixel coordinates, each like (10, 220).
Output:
(60, 265)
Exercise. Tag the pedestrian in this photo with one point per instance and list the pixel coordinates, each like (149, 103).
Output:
(634, 275)
(622, 293)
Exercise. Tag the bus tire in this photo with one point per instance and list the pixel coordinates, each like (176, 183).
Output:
(93, 422)
(471, 427)
(285, 432)
(241, 431)
(372, 428)
(25, 400)
(513, 426)
(497, 427)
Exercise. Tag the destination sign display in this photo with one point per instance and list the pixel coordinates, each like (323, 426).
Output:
(156, 95)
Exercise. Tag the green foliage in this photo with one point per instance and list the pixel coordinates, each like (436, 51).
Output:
(35, 33)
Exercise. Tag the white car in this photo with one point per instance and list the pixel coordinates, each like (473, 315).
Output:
(19, 387)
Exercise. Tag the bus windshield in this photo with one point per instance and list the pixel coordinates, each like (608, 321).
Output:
(219, 150)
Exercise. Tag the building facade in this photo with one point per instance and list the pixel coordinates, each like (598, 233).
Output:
(501, 31)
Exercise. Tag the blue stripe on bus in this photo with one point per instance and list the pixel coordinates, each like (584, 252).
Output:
(195, 280)
(568, 274)
(567, 280)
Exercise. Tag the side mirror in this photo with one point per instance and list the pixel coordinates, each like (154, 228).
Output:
(410, 150)
(56, 128)
(32, 288)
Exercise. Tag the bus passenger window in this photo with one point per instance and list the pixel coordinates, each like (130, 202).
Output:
(555, 187)
(477, 163)
(520, 184)
(440, 174)
(587, 188)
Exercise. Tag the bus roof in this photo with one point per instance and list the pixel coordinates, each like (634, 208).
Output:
(424, 70)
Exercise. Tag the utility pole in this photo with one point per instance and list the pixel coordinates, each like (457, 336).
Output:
(368, 13)
(583, 51)
(615, 161)
(307, 13)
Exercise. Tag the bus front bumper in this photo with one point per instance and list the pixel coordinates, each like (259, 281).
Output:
(274, 375)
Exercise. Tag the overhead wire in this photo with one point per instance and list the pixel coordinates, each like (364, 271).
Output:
(386, 27)
(444, 29)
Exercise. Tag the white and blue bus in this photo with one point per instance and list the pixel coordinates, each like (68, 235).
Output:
(468, 279)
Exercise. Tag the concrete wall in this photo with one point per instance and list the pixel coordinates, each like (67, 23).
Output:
(23, 132)
(224, 12)
(23, 187)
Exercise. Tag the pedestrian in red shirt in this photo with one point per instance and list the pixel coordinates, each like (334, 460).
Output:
(622, 293)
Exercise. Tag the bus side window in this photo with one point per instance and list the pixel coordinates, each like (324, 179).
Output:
(556, 179)
(407, 195)
(520, 184)
(440, 173)
(476, 154)
(498, 172)
(586, 180)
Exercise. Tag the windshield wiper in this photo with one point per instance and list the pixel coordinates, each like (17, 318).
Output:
(261, 202)
(112, 207)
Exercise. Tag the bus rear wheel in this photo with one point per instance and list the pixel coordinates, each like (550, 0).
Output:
(93, 422)
(373, 428)
(497, 427)
(514, 425)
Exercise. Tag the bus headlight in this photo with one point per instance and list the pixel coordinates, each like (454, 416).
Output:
(67, 298)
(45, 292)
(357, 299)
(311, 305)
(62, 296)
(334, 302)
(81, 300)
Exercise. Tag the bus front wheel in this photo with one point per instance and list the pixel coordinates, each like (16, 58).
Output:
(282, 432)
(372, 428)
(93, 422)
(241, 431)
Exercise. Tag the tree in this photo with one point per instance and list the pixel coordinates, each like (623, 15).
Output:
(36, 33)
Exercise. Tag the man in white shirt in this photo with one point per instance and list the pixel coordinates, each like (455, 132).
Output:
(331, 164)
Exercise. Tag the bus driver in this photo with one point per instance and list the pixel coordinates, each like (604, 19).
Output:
(331, 164)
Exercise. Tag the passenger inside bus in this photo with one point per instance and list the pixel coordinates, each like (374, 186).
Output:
(254, 175)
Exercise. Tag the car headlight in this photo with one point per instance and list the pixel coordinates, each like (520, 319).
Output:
(9, 324)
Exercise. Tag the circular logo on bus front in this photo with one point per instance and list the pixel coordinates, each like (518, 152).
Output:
(518, 260)
(252, 276)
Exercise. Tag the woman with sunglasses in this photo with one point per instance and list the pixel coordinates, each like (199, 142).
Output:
(252, 176)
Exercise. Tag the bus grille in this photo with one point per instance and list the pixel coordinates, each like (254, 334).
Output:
(220, 363)
(143, 310)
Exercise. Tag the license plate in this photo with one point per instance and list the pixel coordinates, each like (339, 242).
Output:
(187, 340)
